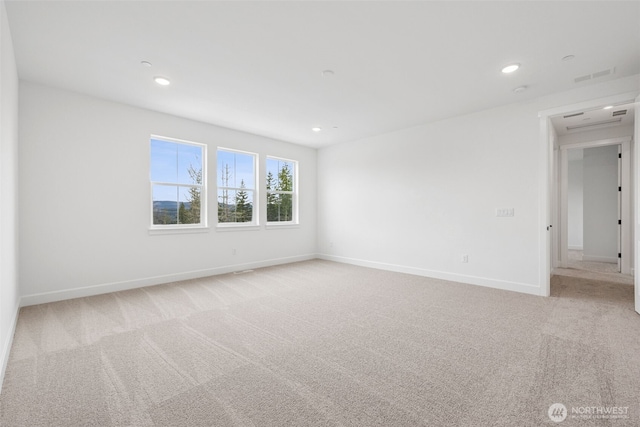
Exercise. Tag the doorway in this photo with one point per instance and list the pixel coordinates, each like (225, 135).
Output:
(593, 204)
(551, 161)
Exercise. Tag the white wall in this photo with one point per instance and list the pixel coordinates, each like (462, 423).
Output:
(575, 190)
(84, 185)
(600, 174)
(417, 199)
(9, 296)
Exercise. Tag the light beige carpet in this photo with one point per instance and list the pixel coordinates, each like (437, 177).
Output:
(325, 344)
(592, 271)
(575, 261)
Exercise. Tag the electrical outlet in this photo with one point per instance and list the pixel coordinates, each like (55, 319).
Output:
(234, 251)
(465, 258)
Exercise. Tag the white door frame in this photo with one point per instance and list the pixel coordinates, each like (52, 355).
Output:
(636, 213)
(625, 200)
(546, 186)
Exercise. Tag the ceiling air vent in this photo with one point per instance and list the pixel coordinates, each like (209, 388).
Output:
(602, 123)
(601, 74)
(595, 75)
(572, 115)
(619, 113)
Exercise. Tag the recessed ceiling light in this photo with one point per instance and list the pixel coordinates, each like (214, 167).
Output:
(163, 81)
(568, 57)
(145, 63)
(510, 68)
(327, 73)
(608, 107)
(316, 129)
(520, 89)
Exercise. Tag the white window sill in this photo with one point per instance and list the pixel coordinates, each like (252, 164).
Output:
(155, 231)
(235, 226)
(279, 225)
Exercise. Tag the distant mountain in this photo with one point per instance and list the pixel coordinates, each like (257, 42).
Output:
(169, 205)
(166, 211)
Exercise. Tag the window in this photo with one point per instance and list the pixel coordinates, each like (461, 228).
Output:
(177, 183)
(236, 187)
(282, 192)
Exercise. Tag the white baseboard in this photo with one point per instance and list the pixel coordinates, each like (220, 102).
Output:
(575, 248)
(6, 345)
(461, 278)
(87, 291)
(611, 260)
(558, 264)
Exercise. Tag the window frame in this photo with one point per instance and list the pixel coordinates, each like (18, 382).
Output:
(254, 224)
(202, 226)
(295, 219)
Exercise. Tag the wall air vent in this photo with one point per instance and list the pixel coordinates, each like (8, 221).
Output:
(572, 115)
(602, 123)
(595, 75)
(619, 113)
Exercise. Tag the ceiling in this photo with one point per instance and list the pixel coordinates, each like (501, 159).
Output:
(257, 66)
